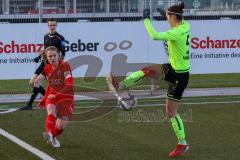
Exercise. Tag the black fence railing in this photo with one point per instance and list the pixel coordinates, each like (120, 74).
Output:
(35, 11)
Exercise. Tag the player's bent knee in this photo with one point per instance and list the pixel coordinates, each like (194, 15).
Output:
(148, 72)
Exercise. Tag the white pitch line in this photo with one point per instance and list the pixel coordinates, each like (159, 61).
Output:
(191, 99)
(26, 146)
(161, 104)
(8, 110)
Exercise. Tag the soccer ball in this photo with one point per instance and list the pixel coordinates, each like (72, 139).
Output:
(127, 101)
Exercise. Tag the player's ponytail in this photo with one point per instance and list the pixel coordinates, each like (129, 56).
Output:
(181, 5)
(176, 10)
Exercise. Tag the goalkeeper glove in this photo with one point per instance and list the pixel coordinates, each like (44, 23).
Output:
(146, 13)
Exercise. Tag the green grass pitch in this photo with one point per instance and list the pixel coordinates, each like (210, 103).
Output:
(143, 134)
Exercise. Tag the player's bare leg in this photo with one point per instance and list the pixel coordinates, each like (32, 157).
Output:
(153, 71)
(112, 83)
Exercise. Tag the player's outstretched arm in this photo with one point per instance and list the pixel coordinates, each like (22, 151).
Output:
(155, 35)
(152, 32)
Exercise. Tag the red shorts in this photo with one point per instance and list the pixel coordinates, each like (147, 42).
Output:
(64, 105)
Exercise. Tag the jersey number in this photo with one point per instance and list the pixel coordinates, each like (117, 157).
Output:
(187, 43)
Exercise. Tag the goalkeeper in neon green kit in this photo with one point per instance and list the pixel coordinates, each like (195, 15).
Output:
(176, 73)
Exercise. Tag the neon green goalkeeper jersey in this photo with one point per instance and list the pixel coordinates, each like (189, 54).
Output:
(178, 44)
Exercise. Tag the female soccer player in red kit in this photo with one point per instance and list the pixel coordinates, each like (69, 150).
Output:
(59, 97)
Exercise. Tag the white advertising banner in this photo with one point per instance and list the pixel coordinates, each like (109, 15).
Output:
(94, 49)
(215, 46)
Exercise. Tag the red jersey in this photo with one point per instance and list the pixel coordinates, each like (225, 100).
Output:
(58, 79)
(60, 84)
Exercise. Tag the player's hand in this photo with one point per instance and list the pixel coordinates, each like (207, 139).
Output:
(51, 96)
(37, 59)
(161, 11)
(146, 13)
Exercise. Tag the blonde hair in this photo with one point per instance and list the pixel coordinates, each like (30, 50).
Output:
(52, 48)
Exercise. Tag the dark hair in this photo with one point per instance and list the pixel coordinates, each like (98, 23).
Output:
(51, 19)
(176, 10)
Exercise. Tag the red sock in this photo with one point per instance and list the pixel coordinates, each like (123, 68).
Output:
(50, 122)
(56, 131)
